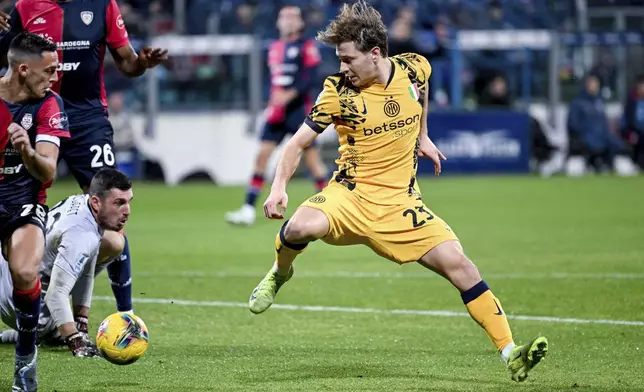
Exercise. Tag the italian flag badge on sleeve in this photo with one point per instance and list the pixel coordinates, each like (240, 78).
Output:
(413, 91)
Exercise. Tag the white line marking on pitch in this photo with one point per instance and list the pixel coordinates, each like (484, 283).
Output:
(340, 309)
(381, 275)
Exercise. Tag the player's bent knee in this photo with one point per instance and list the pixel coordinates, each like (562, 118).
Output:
(24, 275)
(307, 224)
(112, 245)
(297, 231)
(25, 251)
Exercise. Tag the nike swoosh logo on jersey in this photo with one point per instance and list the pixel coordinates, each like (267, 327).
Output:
(364, 106)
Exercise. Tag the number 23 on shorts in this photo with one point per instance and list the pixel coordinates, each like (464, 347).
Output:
(419, 215)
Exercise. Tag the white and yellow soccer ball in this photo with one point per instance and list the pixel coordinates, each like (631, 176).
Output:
(122, 338)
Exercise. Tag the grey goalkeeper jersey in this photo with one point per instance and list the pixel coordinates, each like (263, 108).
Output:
(73, 237)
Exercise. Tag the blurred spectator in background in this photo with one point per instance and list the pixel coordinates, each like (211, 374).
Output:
(496, 17)
(489, 63)
(293, 61)
(606, 71)
(237, 67)
(315, 21)
(243, 22)
(400, 38)
(406, 15)
(590, 136)
(162, 21)
(121, 122)
(124, 143)
(496, 95)
(440, 30)
(633, 129)
(221, 81)
(437, 52)
(136, 24)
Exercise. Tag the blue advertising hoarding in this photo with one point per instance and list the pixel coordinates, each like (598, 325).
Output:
(480, 142)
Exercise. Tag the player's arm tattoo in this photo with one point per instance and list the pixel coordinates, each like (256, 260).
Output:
(128, 61)
(41, 162)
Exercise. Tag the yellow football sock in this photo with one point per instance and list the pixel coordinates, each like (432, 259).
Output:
(285, 252)
(486, 310)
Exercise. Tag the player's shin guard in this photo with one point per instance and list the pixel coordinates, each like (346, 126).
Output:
(285, 252)
(486, 310)
(120, 274)
(27, 304)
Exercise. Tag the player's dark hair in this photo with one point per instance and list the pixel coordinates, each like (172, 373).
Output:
(359, 23)
(107, 179)
(28, 45)
(284, 6)
(289, 5)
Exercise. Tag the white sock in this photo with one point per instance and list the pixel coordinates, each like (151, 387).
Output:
(280, 272)
(505, 353)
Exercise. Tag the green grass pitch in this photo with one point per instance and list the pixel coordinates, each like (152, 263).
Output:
(554, 250)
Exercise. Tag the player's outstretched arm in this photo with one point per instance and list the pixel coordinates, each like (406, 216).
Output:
(82, 296)
(72, 259)
(57, 298)
(291, 155)
(276, 203)
(126, 59)
(133, 65)
(40, 162)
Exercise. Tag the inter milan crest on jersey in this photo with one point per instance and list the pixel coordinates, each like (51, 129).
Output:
(87, 17)
(27, 121)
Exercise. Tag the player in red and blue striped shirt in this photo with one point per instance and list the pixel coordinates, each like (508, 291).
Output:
(293, 62)
(33, 118)
(83, 31)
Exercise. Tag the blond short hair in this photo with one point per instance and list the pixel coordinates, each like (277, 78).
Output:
(359, 23)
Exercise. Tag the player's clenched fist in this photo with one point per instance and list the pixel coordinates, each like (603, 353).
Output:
(19, 138)
(275, 205)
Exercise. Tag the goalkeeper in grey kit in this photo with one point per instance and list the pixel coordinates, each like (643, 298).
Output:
(77, 227)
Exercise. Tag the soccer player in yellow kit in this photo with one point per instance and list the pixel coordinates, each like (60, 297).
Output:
(378, 105)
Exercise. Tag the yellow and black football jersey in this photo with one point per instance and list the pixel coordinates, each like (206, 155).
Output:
(378, 129)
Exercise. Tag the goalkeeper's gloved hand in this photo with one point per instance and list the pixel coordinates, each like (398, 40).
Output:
(81, 347)
(82, 326)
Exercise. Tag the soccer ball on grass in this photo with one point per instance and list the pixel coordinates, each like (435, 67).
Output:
(122, 338)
